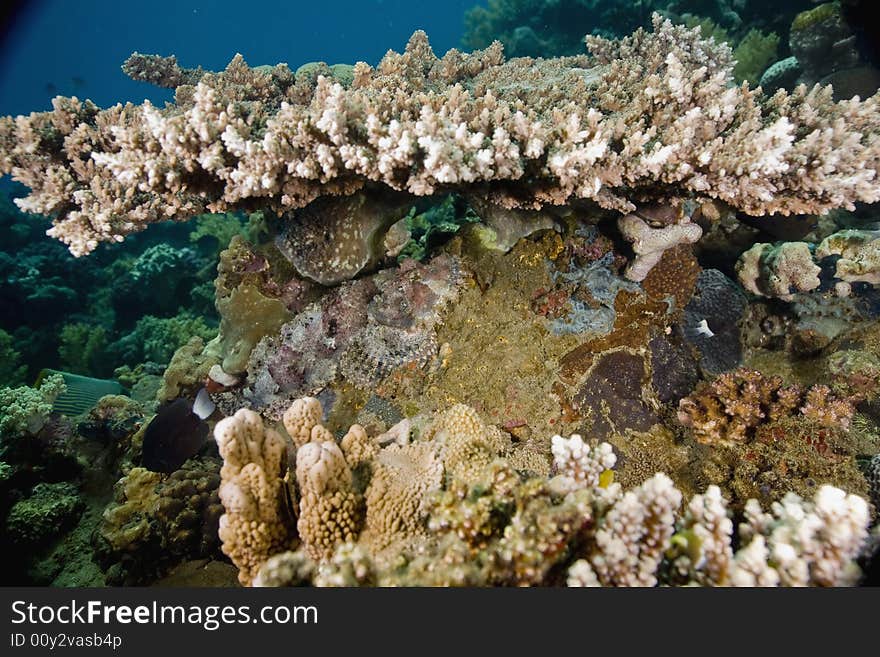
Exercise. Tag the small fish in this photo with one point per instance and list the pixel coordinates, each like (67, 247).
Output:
(701, 328)
(176, 433)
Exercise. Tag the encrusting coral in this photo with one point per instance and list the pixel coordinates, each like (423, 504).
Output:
(649, 117)
(784, 269)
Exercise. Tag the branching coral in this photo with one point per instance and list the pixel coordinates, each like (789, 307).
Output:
(650, 243)
(652, 116)
(730, 408)
(798, 543)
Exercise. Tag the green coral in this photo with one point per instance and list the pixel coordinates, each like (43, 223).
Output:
(160, 337)
(24, 410)
(753, 54)
(433, 226)
(50, 509)
(187, 370)
(708, 28)
(11, 373)
(220, 227)
(811, 17)
(82, 348)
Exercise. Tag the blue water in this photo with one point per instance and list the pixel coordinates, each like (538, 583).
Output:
(75, 47)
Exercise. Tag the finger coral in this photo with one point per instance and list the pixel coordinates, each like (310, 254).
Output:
(330, 510)
(256, 524)
(651, 117)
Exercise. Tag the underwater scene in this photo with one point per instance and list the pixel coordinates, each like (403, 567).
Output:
(499, 293)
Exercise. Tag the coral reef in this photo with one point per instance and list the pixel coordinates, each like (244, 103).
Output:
(778, 271)
(50, 510)
(361, 330)
(579, 527)
(157, 521)
(784, 269)
(859, 255)
(256, 524)
(479, 322)
(650, 243)
(712, 321)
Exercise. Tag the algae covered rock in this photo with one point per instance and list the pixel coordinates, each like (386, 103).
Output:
(50, 510)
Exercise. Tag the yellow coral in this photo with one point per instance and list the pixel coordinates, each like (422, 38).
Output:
(303, 422)
(811, 17)
(358, 447)
(469, 446)
(256, 523)
(330, 510)
(402, 477)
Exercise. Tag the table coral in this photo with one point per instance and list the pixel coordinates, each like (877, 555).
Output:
(649, 117)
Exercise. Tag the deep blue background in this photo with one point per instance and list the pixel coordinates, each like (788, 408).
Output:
(75, 47)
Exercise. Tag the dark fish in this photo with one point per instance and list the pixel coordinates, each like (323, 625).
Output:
(862, 81)
(790, 228)
(78, 82)
(51, 89)
(175, 434)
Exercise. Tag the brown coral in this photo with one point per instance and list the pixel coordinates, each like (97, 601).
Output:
(330, 510)
(469, 446)
(731, 407)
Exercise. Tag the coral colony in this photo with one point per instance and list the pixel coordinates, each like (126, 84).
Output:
(602, 318)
